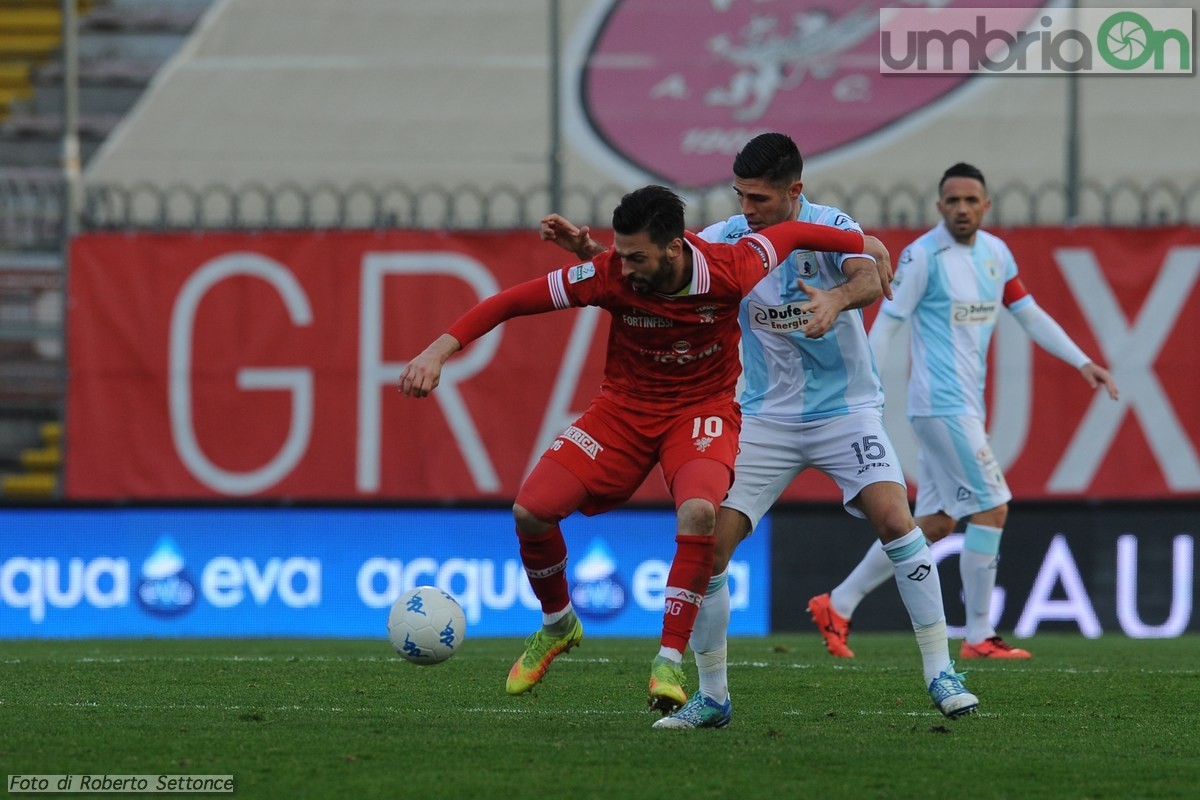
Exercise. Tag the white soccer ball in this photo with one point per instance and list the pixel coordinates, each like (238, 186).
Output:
(426, 625)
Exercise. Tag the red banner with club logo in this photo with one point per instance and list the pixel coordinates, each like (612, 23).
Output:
(263, 366)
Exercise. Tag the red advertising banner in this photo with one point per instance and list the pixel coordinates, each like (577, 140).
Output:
(263, 366)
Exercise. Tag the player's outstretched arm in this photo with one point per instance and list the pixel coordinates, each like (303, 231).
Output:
(422, 375)
(788, 236)
(1098, 376)
(562, 232)
(1050, 336)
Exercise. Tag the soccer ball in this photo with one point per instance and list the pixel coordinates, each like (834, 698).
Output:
(426, 625)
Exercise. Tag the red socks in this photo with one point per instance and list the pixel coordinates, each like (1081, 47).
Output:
(686, 584)
(545, 560)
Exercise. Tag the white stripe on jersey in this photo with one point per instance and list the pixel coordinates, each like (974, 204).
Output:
(770, 248)
(701, 279)
(558, 292)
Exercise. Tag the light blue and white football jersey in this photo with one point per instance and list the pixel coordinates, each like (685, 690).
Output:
(786, 375)
(952, 293)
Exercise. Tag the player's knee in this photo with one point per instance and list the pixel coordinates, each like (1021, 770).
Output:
(893, 521)
(937, 528)
(994, 517)
(696, 516)
(528, 522)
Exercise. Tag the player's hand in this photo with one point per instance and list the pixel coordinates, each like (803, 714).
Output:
(822, 306)
(883, 262)
(564, 233)
(1097, 376)
(422, 375)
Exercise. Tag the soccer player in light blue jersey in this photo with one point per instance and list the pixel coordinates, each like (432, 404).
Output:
(950, 286)
(811, 398)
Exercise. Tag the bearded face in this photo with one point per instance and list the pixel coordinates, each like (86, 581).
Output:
(645, 265)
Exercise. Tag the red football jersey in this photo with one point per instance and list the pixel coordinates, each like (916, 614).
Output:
(671, 351)
(665, 351)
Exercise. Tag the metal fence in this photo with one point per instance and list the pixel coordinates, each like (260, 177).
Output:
(32, 206)
(31, 209)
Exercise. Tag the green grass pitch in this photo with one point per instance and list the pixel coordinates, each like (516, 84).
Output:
(1107, 718)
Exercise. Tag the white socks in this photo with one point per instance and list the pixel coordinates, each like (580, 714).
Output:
(977, 564)
(921, 590)
(917, 578)
(709, 639)
(935, 653)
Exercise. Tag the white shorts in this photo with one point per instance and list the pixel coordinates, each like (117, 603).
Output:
(957, 473)
(854, 450)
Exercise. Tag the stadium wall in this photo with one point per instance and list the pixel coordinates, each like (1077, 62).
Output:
(328, 571)
(1094, 569)
(261, 366)
(189, 571)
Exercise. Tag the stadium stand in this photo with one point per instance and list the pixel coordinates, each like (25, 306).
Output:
(38, 474)
(30, 31)
(31, 374)
(122, 44)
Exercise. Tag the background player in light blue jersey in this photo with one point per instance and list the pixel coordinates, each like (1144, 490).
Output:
(812, 398)
(950, 285)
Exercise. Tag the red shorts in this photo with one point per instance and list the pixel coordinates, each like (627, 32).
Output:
(613, 447)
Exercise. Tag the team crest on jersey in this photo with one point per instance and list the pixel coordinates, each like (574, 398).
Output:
(681, 107)
(808, 263)
(703, 443)
(581, 272)
(707, 313)
(993, 270)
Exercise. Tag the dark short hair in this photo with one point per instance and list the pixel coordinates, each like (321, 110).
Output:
(772, 157)
(654, 209)
(962, 170)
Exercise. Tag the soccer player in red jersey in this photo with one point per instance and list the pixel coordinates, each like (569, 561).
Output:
(667, 398)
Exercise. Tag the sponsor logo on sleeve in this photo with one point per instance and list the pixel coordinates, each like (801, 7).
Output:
(760, 251)
(581, 272)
